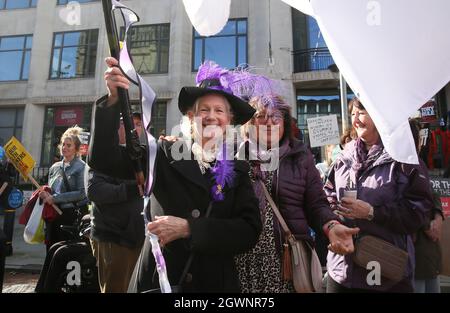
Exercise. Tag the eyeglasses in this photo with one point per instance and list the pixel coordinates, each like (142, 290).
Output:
(276, 118)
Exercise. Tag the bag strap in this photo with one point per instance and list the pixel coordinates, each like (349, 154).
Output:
(191, 256)
(280, 218)
(66, 182)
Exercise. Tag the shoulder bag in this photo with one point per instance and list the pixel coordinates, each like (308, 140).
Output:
(300, 263)
(392, 260)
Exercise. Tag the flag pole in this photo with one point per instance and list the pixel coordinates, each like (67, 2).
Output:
(132, 138)
(36, 184)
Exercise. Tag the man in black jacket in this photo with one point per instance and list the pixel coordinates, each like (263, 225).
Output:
(118, 228)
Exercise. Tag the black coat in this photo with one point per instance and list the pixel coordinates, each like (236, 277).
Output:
(428, 252)
(233, 226)
(116, 210)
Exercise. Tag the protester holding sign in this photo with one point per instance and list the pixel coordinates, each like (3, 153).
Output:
(11, 199)
(66, 179)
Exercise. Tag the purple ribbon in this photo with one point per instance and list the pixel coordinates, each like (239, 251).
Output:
(147, 96)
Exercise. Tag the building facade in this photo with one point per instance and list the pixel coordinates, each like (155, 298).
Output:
(52, 62)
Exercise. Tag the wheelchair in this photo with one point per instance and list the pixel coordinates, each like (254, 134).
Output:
(70, 266)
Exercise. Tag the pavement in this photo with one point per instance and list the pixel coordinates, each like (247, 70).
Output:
(26, 257)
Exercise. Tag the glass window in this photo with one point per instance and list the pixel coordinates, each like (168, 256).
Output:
(315, 38)
(72, 39)
(29, 42)
(17, 4)
(149, 47)
(15, 53)
(228, 48)
(11, 121)
(12, 43)
(74, 54)
(26, 65)
(219, 49)
(10, 63)
(159, 114)
(58, 40)
(242, 27)
(242, 50)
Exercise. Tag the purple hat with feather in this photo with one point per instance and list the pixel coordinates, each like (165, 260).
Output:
(212, 79)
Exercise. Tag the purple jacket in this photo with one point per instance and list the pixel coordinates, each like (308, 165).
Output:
(298, 192)
(401, 198)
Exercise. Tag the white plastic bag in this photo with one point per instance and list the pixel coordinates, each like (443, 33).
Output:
(34, 230)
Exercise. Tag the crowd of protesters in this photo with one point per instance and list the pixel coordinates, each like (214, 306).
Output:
(216, 225)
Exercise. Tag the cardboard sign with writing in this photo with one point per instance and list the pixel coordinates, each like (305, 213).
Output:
(323, 130)
(442, 187)
(19, 157)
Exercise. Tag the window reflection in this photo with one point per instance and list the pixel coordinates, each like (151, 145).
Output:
(17, 4)
(11, 121)
(228, 48)
(15, 53)
(74, 54)
(149, 47)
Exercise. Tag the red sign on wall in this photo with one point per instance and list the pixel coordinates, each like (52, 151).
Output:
(446, 206)
(69, 116)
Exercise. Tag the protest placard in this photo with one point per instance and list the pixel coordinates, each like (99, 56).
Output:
(323, 130)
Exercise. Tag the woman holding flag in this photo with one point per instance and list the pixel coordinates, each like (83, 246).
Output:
(210, 211)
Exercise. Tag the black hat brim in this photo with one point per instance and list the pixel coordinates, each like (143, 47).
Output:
(242, 111)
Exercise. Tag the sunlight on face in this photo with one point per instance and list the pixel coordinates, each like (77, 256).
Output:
(212, 116)
(364, 125)
(68, 149)
(270, 127)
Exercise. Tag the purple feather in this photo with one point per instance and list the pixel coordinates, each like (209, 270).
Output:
(242, 83)
(223, 173)
(209, 70)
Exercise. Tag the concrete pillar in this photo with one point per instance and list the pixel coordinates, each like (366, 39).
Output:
(33, 128)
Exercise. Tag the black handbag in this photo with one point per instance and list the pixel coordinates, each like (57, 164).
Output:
(179, 287)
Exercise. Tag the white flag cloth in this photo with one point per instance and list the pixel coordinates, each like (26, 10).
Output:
(394, 54)
(207, 16)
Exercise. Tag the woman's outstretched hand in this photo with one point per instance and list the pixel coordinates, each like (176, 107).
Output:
(341, 239)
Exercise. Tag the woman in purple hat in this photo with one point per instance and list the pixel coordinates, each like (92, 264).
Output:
(192, 178)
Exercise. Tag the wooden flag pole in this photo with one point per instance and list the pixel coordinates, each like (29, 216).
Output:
(5, 184)
(36, 184)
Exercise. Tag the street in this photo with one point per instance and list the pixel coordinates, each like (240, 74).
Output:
(19, 282)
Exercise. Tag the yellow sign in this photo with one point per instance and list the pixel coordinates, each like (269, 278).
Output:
(19, 157)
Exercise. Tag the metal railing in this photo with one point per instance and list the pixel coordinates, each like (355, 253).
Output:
(314, 59)
(40, 174)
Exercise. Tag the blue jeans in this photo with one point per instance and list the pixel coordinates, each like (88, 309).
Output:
(427, 285)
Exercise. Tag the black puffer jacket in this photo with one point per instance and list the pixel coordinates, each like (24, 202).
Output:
(117, 209)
